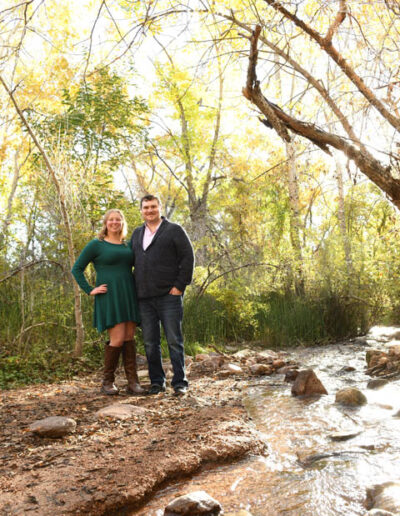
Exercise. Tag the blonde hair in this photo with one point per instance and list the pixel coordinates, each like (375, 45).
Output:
(103, 231)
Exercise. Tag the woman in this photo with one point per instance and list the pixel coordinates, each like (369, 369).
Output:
(115, 305)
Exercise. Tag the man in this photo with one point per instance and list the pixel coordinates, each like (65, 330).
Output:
(164, 262)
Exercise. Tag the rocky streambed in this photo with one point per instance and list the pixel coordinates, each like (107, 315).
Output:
(242, 434)
(328, 454)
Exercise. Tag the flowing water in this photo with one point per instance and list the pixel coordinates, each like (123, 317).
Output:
(306, 472)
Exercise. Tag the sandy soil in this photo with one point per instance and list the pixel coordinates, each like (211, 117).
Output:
(108, 465)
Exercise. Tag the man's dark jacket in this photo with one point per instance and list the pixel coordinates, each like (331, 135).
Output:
(167, 262)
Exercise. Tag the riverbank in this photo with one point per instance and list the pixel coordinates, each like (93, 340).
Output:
(111, 463)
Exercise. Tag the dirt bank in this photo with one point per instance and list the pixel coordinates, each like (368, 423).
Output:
(109, 464)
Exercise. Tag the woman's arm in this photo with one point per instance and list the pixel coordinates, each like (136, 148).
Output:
(87, 255)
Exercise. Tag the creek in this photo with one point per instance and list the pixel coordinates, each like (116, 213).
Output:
(307, 472)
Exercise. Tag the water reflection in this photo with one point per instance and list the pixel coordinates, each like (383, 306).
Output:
(307, 473)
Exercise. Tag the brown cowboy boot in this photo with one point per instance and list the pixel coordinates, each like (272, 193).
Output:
(129, 361)
(111, 358)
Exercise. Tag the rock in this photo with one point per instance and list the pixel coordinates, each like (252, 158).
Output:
(120, 411)
(346, 369)
(54, 426)
(201, 356)
(216, 360)
(394, 350)
(243, 353)
(377, 383)
(267, 355)
(291, 375)
(193, 504)
(285, 369)
(243, 512)
(309, 460)
(209, 364)
(372, 357)
(70, 389)
(393, 363)
(307, 383)
(261, 369)
(379, 512)
(231, 369)
(351, 396)
(384, 497)
(360, 341)
(382, 361)
(344, 436)
(384, 406)
(249, 361)
(397, 414)
(278, 363)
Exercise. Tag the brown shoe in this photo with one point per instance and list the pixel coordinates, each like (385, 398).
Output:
(129, 361)
(111, 358)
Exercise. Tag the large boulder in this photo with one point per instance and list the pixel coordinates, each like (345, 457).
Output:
(307, 383)
(384, 497)
(193, 504)
(54, 426)
(351, 396)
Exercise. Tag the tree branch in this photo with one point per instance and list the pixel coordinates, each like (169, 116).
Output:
(372, 168)
(14, 272)
(253, 93)
(341, 15)
(309, 78)
(327, 46)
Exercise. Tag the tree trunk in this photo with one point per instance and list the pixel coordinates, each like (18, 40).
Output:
(293, 189)
(198, 231)
(342, 219)
(7, 218)
(295, 218)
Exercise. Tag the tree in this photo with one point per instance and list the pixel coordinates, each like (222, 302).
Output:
(383, 113)
(187, 154)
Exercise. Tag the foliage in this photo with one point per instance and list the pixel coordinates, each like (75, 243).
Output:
(179, 126)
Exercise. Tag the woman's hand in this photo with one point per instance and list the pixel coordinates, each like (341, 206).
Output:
(101, 289)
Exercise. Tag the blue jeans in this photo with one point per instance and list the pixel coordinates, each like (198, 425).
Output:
(167, 310)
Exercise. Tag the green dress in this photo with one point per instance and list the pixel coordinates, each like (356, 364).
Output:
(113, 264)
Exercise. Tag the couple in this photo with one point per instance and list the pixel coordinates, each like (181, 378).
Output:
(163, 258)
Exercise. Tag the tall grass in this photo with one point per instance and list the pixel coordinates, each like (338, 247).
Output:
(277, 320)
(43, 350)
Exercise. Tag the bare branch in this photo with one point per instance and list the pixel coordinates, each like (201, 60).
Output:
(341, 15)
(28, 266)
(91, 36)
(207, 282)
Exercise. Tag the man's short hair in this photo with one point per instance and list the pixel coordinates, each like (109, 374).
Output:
(149, 197)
